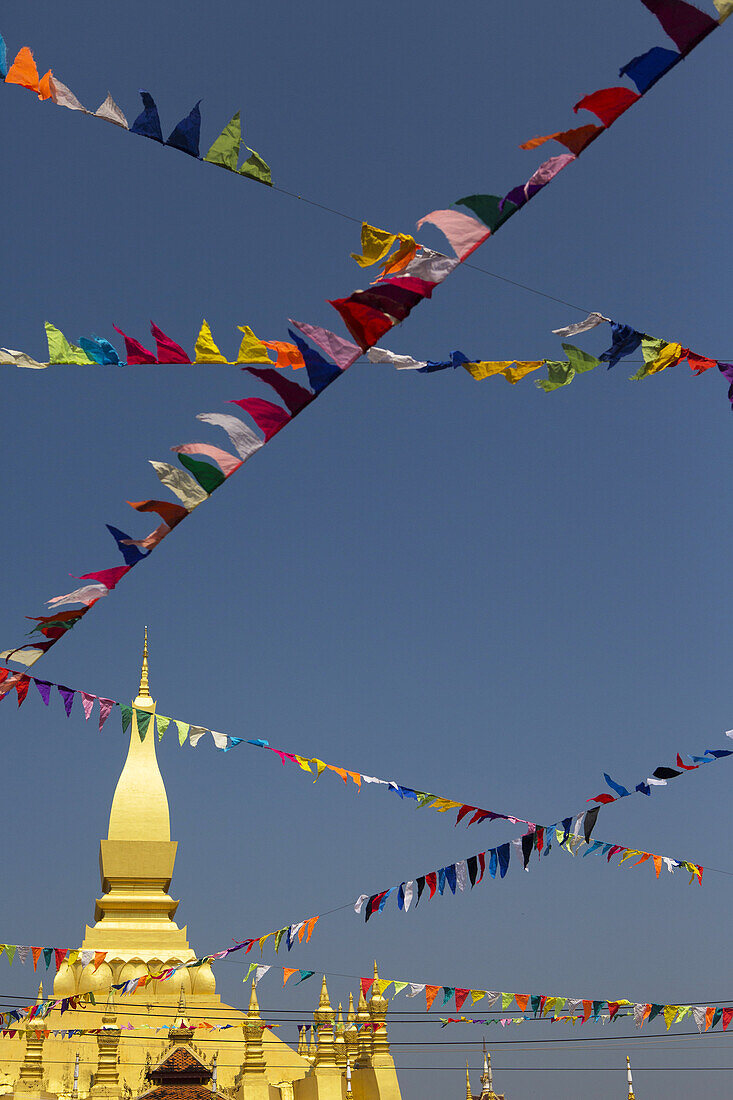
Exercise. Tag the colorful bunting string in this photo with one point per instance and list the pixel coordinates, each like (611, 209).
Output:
(19, 682)
(533, 1006)
(185, 136)
(409, 276)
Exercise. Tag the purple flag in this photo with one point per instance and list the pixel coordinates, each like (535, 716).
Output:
(67, 694)
(45, 689)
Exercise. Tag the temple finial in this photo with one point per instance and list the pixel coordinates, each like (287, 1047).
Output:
(39, 997)
(629, 1078)
(144, 685)
(376, 972)
(469, 1095)
(254, 1007)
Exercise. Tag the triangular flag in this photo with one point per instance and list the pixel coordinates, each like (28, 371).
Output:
(23, 71)
(36, 953)
(255, 168)
(126, 715)
(143, 721)
(168, 350)
(183, 729)
(288, 973)
(225, 150)
(162, 724)
(366, 985)
(64, 97)
(186, 134)
(431, 992)
(251, 349)
(105, 706)
(147, 123)
(110, 112)
(206, 350)
(87, 701)
(61, 351)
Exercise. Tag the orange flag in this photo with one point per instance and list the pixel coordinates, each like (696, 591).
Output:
(573, 140)
(36, 953)
(23, 71)
(709, 1013)
(356, 776)
(522, 1000)
(99, 957)
(44, 86)
(657, 864)
(587, 1009)
(288, 973)
(431, 992)
(339, 771)
(311, 925)
(287, 354)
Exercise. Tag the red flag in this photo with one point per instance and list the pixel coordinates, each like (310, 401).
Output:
(612, 1008)
(366, 985)
(270, 418)
(432, 880)
(461, 995)
(295, 397)
(482, 865)
(135, 352)
(168, 350)
(365, 323)
(107, 577)
(24, 682)
(170, 513)
(727, 1017)
(60, 953)
(608, 103)
(698, 363)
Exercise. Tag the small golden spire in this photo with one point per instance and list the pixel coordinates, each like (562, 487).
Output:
(351, 1016)
(376, 972)
(254, 1007)
(469, 1095)
(324, 1001)
(144, 685)
(39, 997)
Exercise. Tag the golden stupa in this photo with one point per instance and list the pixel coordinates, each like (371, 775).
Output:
(135, 927)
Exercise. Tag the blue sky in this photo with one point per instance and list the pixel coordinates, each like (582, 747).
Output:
(474, 588)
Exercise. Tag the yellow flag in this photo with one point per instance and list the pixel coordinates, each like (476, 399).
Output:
(519, 370)
(206, 349)
(442, 805)
(725, 7)
(375, 244)
(485, 369)
(668, 356)
(381, 984)
(320, 766)
(670, 1014)
(73, 956)
(477, 994)
(251, 350)
(303, 763)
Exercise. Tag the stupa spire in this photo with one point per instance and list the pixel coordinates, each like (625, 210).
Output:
(629, 1078)
(144, 692)
(140, 804)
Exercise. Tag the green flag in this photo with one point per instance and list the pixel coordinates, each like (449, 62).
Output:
(143, 721)
(183, 729)
(208, 477)
(304, 975)
(256, 169)
(60, 350)
(163, 724)
(486, 207)
(580, 361)
(278, 937)
(559, 373)
(225, 150)
(126, 715)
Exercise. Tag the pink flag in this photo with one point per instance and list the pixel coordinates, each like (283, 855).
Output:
(270, 418)
(87, 701)
(343, 352)
(464, 234)
(295, 397)
(549, 169)
(105, 706)
(227, 461)
(108, 577)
